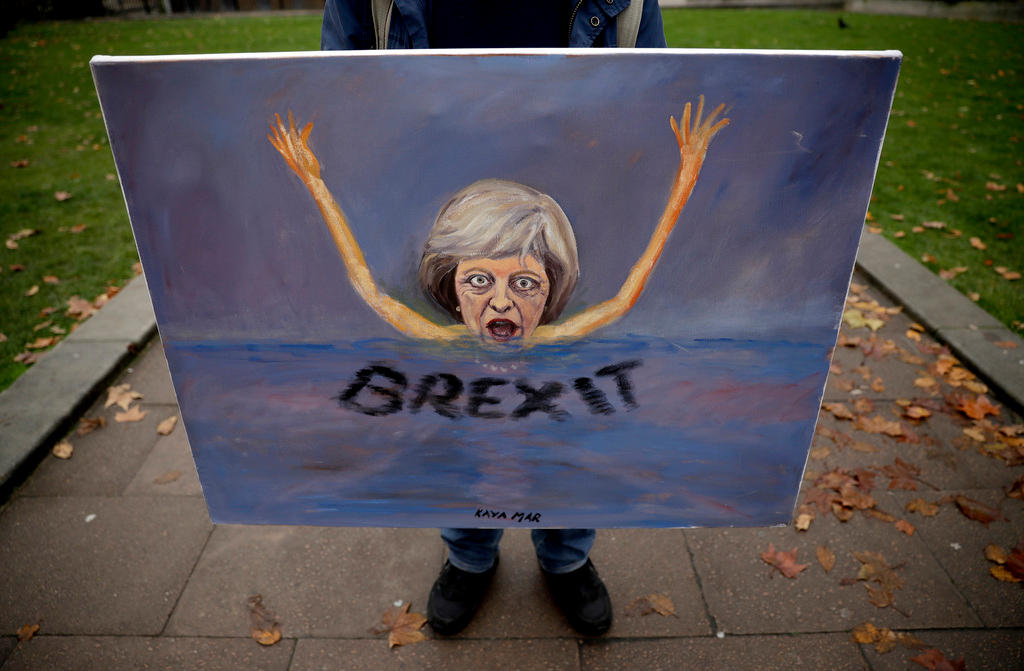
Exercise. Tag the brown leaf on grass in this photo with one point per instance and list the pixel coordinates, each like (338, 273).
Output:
(401, 626)
(978, 244)
(976, 408)
(51, 279)
(652, 603)
(63, 450)
(166, 426)
(42, 343)
(933, 660)
(928, 258)
(839, 410)
(924, 507)
(90, 424)
(26, 632)
(977, 511)
(20, 163)
(166, 478)
(905, 526)
(785, 562)
(263, 625)
(826, 558)
(134, 414)
(61, 196)
(32, 291)
(79, 308)
(934, 225)
(78, 228)
(1006, 273)
(901, 474)
(27, 358)
(122, 395)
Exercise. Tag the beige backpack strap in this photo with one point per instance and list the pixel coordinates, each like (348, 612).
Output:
(627, 24)
(382, 21)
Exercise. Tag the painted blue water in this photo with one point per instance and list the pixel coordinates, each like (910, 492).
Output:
(633, 432)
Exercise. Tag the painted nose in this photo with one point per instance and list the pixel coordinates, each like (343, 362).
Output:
(501, 302)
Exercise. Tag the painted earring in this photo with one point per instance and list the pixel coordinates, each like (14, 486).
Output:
(458, 309)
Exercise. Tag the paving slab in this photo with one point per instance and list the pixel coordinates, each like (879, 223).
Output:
(104, 461)
(442, 655)
(999, 650)
(736, 653)
(7, 645)
(958, 544)
(317, 581)
(96, 565)
(168, 470)
(746, 596)
(129, 653)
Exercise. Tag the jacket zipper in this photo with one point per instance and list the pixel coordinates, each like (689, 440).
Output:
(572, 20)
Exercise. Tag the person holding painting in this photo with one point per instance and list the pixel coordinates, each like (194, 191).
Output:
(501, 256)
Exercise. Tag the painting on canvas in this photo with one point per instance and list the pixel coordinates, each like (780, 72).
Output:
(464, 289)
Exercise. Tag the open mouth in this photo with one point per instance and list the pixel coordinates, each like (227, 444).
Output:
(502, 329)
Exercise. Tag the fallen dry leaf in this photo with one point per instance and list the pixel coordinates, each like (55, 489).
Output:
(134, 414)
(166, 426)
(978, 244)
(32, 291)
(51, 279)
(924, 507)
(884, 640)
(785, 562)
(26, 632)
(879, 424)
(996, 554)
(61, 196)
(977, 511)
(263, 626)
(79, 308)
(402, 627)
(977, 408)
(166, 478)
(1002, 574)
(652, 603)
(839, 410)
(934, 660)
(41, 343)
(122, 395)
(803, 521)
(1005, 344)
(90, 424)
(916, 412)
(63, 450)
(901, 474)
(78, 228)
(826, 558)
(905, 526)
(1016, 490)
(27, 358)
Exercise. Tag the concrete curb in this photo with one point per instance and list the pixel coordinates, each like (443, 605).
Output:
(970, 332)
(43, 403)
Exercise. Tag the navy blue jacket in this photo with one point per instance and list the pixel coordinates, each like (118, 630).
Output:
(348, 24)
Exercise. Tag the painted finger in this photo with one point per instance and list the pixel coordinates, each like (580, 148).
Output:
(675, 129)
(711, 117)
(686, 123)
(717, 127)
(306, 131)
(700, 111)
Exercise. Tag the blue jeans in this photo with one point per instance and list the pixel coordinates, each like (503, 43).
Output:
(558, 550)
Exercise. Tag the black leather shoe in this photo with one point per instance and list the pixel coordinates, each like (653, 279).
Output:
(583, 598)
(455, 597)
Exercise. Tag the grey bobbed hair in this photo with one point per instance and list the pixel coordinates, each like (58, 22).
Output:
(495, 218)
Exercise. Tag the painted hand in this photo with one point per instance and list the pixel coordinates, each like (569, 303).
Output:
(693, 141)
(294, 148)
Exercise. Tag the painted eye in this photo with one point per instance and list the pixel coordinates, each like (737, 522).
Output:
(524, 283)
(478, 281)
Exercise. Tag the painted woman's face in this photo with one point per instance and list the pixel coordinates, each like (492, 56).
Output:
(501, 299)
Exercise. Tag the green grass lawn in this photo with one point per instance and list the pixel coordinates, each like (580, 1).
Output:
(951, 154)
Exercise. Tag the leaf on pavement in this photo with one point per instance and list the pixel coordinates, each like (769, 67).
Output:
(884, 640)
(652, 603)
(924, 507)
(263, 625)
(826, 558)
(166, 478)
(90, 424)
(785, 562)
(977, 511)
(1017, 488)
(905, 526)
(976, 408)
(122, 395)
(839, 410)
(63, 450)
(879, 424)
(26, 632)
(916, 412)
(880, 579)
(401, 626)
(934, 660)
(901, 475)
(166, 426)
(135, 414)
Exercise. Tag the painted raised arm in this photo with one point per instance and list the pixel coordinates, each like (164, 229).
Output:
(294, 147)
(693, 140)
